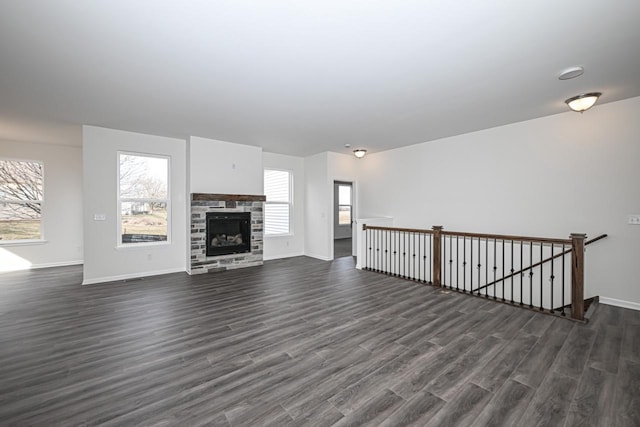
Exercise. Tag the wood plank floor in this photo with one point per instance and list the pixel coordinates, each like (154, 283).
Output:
(302, 342)
(342, 247)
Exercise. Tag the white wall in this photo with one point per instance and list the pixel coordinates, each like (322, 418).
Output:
(220, 167)
(321, 171)
(290, 245)
(103, 261)
(62, 213)
(545, 177)
(318, 234)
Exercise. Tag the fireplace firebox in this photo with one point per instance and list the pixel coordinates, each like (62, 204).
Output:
(228, 233)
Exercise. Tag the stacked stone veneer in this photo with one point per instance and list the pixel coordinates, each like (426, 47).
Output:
(203, 203)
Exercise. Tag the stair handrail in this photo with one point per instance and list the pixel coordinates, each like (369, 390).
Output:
(558, 255)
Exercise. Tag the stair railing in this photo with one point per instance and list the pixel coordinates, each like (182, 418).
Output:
(400, 252)
(530, 272)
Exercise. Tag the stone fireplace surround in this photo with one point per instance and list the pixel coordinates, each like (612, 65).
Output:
(201, 203)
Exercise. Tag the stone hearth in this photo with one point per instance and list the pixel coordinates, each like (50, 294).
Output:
(201, 204)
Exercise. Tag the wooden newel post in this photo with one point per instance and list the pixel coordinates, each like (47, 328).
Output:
(577, 276)
(437, 253)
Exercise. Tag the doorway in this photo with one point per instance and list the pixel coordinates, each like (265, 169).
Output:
(342, 219)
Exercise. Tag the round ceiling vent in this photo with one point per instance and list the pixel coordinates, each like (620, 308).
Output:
(571, 73)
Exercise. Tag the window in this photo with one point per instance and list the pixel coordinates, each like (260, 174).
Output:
(344, 204)
(143, 199)
(21, 194)
(277, 211)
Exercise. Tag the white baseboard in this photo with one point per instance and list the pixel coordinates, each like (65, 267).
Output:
(620, 303)
(57, 264)
(289, 255)
(321, 257)
(131, 276)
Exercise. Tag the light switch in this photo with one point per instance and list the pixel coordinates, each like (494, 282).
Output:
(634, 219)
(99, 217)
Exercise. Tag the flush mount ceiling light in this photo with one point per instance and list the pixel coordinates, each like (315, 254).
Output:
(359, 153)
(583, 102)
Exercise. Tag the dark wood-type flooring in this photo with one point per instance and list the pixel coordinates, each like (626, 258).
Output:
(342, 248)
(302, 342)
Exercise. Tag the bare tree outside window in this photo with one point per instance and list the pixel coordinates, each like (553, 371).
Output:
(143, 190)
(21, 195)
(132, 171)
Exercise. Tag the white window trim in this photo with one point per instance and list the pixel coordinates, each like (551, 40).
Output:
(350, 186)
(119, 244)
(290, 203)
(22, 242)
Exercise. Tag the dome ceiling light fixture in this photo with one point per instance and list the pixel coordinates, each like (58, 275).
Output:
(583, 102)
(359, 153)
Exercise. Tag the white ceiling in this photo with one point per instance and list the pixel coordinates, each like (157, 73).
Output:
(302, 77)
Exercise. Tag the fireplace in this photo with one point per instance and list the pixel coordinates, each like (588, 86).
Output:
(228, 233)
(223, 217)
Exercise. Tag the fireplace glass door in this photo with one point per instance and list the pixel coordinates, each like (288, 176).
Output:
(228, 233)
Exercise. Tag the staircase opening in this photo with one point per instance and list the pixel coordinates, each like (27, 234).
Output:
(542, 274)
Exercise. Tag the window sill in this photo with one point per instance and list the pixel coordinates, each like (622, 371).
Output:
(22, 242)
(145, 245)
(279, 235)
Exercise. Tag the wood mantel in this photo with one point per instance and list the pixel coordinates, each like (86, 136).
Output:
(205, 197)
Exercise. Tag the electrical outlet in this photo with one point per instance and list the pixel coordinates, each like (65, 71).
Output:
(634, 219)
(99, 217)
